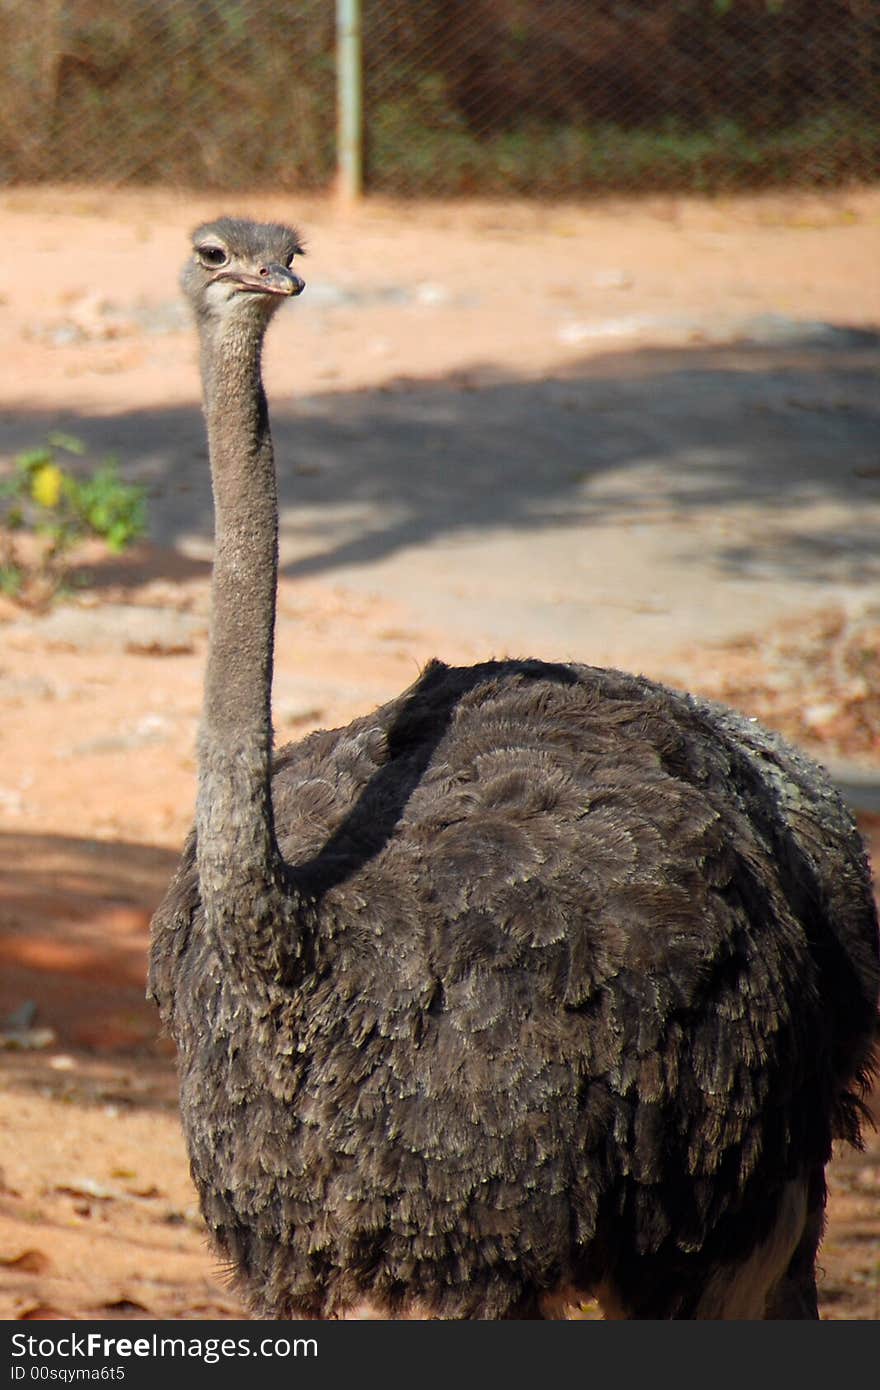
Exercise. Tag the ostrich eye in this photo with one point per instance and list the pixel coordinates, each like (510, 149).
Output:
(290, 259)
(212, 256)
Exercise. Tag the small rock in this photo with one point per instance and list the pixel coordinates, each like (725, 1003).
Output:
(62, 1062)
(171, 316)
(629, 327)
(150, 730)
(431, 293)
(113, 627)
(64, 335)
(327, 295)
(89, 1187)
(298, 712)
(815, 716)
(27, 1039)
(612, 280)
(12, 801)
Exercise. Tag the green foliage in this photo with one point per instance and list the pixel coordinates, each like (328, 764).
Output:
(103, 505)
(60, 508)
(543, 160)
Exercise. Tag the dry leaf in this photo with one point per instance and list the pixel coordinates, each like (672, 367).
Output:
(125, 1308)
(28, 1262)
(88, 1187)
(43, 1312)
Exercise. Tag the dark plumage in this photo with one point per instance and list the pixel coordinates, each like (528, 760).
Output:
(551, 980)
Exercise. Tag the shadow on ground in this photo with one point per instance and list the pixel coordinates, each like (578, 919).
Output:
(75, 917)
(645, 434)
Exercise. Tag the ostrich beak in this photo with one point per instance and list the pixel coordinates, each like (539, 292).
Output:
(271, 279)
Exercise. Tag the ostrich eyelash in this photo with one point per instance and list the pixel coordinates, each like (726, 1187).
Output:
(213, 256)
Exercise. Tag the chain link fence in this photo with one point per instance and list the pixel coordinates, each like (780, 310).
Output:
(460, 97)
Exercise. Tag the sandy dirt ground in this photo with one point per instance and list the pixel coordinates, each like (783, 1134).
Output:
(637, 434)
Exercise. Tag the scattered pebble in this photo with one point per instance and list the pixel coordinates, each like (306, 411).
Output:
(62, 1061)
(89, 1187)
(612, 280)
(151, 729)
(113, 627)
(91, 317)
(763, 330)
(431, 293)
(27, 1039)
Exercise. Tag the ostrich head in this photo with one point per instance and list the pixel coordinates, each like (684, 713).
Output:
(240, 272)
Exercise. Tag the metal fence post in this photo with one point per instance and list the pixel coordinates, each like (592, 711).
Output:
(349, 100)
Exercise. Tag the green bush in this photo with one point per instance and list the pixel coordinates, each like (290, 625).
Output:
(541, 160)
(59, 508)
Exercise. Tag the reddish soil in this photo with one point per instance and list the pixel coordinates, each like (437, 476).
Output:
(97, 1212)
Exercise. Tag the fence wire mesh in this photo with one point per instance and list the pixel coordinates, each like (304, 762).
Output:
(461, 97)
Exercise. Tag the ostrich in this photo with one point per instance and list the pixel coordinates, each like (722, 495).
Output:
(541, 982)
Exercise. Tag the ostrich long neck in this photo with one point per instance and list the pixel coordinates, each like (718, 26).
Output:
(240, 867)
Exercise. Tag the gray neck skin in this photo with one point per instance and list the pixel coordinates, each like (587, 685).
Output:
(241, 872)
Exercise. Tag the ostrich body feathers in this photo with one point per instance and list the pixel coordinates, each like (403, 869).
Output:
(579, 973)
